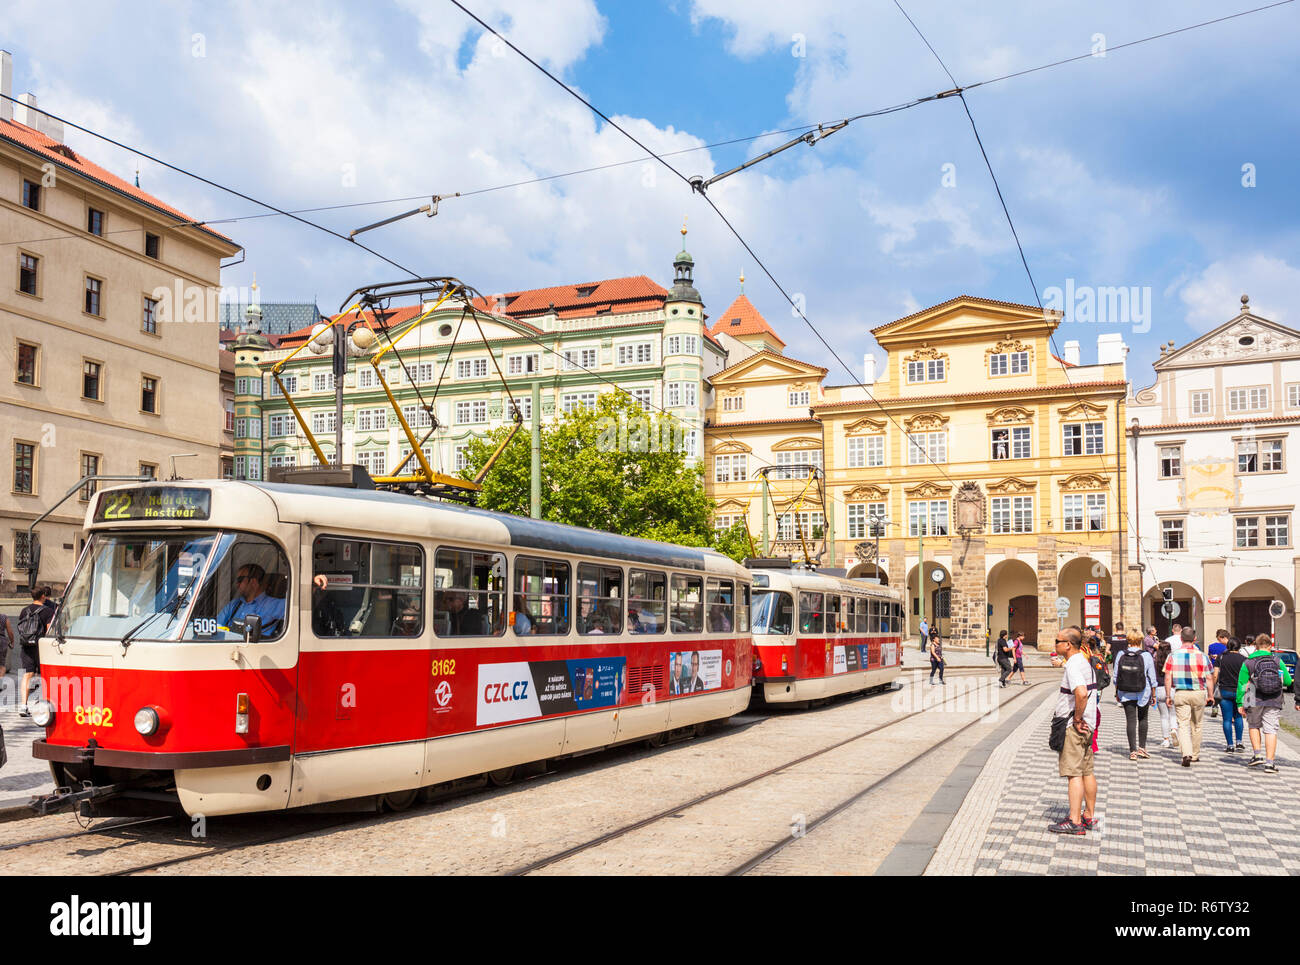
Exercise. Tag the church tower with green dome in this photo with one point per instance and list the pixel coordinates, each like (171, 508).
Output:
(248, 348)
(683, 349)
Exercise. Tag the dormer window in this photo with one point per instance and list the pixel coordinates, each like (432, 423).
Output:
(586, 292)
(735, 323)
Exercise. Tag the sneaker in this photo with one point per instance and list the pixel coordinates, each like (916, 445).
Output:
(1240, 747)
(1165, 742)
(1187, 762)
(24, 712)
(1088, 822)
(1255, 760)
(1067, 827)
(1270, 767)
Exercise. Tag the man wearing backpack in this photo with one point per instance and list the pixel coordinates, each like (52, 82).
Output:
(1262, 681)
(33, 621)
(1187, 687)
(1135, 684)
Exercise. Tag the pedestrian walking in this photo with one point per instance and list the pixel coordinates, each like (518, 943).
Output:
(925, 632)
(1018, 654)
(1075, 709)
(1135, 684)
(998, 645)
(1168, 722)
(1175, 638)
(1226, 675)
(33, 622)
(1261, 682)
(1152, 643)
(1118, 641)
(1215, 650)
(1187, 686)
(1006, 659)
(936, 659)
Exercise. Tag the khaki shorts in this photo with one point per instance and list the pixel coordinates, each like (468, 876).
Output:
(1263, 718)
(1076, 755)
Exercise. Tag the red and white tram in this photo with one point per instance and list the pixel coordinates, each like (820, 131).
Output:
(819, 636)
(234, 647)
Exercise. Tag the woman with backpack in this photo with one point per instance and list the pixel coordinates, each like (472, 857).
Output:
(1004, 658)
(1135, 684)
(1225, 678)
(1168, 722)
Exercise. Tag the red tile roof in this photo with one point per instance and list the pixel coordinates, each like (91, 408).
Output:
(985, 393)
(33, 140)
(635, 293)
(807, 420)
(742, 318)
(1276, 420)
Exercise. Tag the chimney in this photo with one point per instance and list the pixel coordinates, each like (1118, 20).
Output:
(1111, 349)
(1072, 351)
(51, 128)
(6, 85)
(868, 369)
(23, 112)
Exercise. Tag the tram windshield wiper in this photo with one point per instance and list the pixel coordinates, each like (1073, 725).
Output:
(171, 608)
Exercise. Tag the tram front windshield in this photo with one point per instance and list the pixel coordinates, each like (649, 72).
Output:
(198, 586)
(773, 612)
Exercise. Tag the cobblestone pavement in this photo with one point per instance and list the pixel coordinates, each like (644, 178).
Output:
(1157, 817)
(23, 775)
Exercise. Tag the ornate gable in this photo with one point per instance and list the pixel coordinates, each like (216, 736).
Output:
(925, 420)
(1243, 338)
(1008, 344)
(730, 446)
(728, 506)
(1083, 480)
(1011, 485)
(789, 445)
(925, 354)
(1081, 410)
(1009, 415)
(928, 490)
(867, 492)
(865, 427)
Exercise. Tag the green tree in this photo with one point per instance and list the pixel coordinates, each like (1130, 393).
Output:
(616, 468)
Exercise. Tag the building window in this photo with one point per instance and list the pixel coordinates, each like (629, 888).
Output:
(279, 425)
(1011, 443)
(24, 467)
(474, 411)
(227, 469)
(799, 398)
(366, 378)
(229, 424)
(682, 394)
(525, 404)
(857, 452)
(1084, 439)
(1171, 462)
(148, 470)
(460, 457)
(1259, 455)
(373, 461)
(94, 291)
(322, 382)
(1172, 534)
(89, 467)
(925, 447)
(369, 420)
(148, 394)
(1248, 400)
(471, 368)
(149, 319)
(253, 468)
(151, 245)
(812, 525)
(731, 468)
(800, 458)
(1200, 403)
(416, 416)
(1009, 363)
(1084, 512)
(580, 358)
(931, 371)
(31, 195)
(733, 403)
(28, 266)
(323, 421)
(281, 459)
(635, 353)
(95, 222)
(578, 400)
(522, 364)
(1277, 530)
(25, 371)
(644, 397)
(290, 385)
(936, 510)
(1293, 395)
(90, 372)
(866, 520)
(723, 523)
(1013, 514)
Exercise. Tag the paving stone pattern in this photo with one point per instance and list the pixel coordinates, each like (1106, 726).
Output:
(1217, 817)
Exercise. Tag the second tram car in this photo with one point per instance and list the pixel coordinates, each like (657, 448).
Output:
(233, 647)
(818, 636)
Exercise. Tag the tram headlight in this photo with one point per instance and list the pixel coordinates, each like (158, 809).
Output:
(43, 713)
(147, 721)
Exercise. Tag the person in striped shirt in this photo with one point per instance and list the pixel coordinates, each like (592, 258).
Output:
(1188, 673)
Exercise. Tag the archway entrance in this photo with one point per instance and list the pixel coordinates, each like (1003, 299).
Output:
(1073, 578)
(938, 599)
(1191, 609)
(869, 571)
(1012, 588)
(1248, 612)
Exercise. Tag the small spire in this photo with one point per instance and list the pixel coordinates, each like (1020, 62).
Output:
(1245, 304)
(742, 281)
(684, 232)
(137, 172)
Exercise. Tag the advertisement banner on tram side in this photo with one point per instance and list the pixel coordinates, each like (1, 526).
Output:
(509, 692)
(841, 662)
(855, 658)
(694, 671)
(889, 653)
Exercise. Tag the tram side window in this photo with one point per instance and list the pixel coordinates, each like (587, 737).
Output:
(469, 593)
(832, 613)
(688, 615)
(896, 617)
(849, 619)
(371, 588)
(719, 601)
(541, 599)
(742, 609)
(249, 576)
(600, 599)
(647, 602)
(811, 609)
(773, 612)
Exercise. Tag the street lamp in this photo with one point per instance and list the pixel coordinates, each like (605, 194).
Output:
(345, 340)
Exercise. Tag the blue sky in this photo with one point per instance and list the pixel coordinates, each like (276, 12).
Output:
(1122, 170)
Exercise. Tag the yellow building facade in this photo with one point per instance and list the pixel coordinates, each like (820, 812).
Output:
(984, 473)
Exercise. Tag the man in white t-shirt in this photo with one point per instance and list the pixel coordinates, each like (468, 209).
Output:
(1077, 703)
(1175, 639)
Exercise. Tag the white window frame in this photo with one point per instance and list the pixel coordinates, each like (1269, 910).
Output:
(1200, 403)
(1254, 398)
(798, 398)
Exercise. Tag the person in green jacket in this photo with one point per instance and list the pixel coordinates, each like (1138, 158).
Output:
(1263, 713)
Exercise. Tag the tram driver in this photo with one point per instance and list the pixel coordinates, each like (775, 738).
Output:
(251, 599)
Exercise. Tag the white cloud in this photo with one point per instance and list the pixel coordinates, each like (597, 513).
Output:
(1214, 296)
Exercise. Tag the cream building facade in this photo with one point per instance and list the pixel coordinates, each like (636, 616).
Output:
(987, 471)
(102, 379)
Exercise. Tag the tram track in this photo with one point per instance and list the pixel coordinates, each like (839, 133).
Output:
(677, 809)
